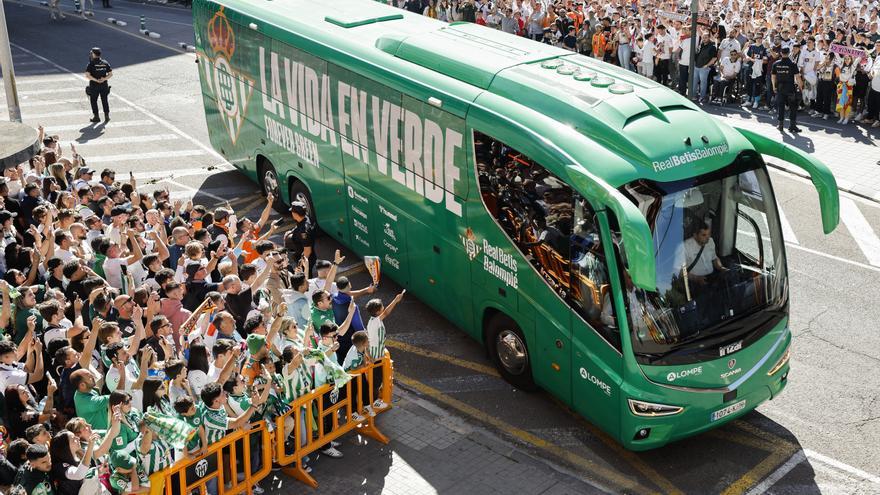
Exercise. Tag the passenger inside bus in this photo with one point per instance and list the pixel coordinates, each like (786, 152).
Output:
(554, 229)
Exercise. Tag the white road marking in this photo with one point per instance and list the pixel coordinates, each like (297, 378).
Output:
(860, 230)
(149, 138)
(53, 91)
(139, 108)
(27, 103)
(52, 129)
(29, 62)
(787, 231)
(67, 113)
(835, 258)
(44, 80)
(812, 455)
(143, 156)
(194, 190)
(182, 172)
(777, 475)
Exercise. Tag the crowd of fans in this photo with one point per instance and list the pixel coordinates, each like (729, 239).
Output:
(835, 44)
(138, 330)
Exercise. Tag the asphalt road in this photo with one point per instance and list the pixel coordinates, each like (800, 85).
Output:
(819, 436)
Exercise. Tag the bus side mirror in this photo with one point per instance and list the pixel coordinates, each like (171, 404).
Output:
(821, 176)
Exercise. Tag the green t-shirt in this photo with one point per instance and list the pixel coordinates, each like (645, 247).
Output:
(34, 482)
(319, 317)
(121, 482)
(196, 422)
(21, 317)
(93, 408)
(216, 422)
(128, 433)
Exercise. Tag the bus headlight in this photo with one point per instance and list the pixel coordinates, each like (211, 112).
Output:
(782, 362)
(650, 409)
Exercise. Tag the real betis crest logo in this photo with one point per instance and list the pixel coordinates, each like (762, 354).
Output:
(470, 246)
(232, 89)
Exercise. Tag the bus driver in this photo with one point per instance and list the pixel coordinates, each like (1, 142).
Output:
(697, 255)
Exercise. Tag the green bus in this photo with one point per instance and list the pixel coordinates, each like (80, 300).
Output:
(605, 239)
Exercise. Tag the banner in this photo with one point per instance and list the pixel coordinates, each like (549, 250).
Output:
(672, 15)
(855, 53)
(373, 265)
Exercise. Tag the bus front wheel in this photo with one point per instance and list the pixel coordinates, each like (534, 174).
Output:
(509, 352)
(299, 192)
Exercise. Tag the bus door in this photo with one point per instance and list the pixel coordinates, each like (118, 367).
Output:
(597, 359)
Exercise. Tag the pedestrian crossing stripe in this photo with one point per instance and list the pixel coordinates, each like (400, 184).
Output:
(787, 231)
(54, 129)
(67, 113)
(143, 156)
(860, 230)
(149, 138)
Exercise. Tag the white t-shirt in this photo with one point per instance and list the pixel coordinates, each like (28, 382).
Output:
(131, 376)
(197, 381)
(664, 46)
(138, 273)
(12, 375)
(729, 69)
(316, 284)
(809, 60)
(685, 58)
(687, 252)
(63, 254)
(113, 271)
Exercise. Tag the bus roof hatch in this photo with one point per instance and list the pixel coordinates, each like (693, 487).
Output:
(459, 51)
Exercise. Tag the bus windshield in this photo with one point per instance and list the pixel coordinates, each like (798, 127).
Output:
(721, 271)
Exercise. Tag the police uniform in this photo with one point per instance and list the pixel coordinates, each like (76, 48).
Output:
(296, 240)
(785, 71)
(99, 68)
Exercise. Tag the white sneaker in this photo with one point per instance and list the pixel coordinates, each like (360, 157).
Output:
(358, 418)
(755, 105)
(257, 490)
(840, 120)
(378, 404)
(334, 443)
(860, 116)
(825, 116)
(845, 121)
(370, 411)
(876, 124)
(332, 452)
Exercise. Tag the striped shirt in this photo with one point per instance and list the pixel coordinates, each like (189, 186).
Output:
(376, 334)
(159, 457)
(216, 422)
(353, 359)
(296, 383)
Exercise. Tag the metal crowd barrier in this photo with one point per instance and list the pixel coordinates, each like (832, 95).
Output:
(249, 452)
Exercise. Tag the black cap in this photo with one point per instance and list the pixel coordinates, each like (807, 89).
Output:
(6, 215)
(85, 170)
(298, 207)
(96, 50)
(785, 50)
(321, 264)
(120, 210)
(107, 172)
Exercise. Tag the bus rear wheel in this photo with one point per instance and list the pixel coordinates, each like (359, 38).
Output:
(269, 183)
(508, 350)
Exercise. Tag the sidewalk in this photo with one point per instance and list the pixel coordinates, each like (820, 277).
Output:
(851, 151)
(431, 452)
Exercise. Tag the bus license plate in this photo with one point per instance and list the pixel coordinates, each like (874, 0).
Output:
(727, 411)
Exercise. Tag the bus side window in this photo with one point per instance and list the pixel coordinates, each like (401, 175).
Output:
(591, 293)
(532, 205)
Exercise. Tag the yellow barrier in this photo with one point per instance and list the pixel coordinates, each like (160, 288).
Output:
(309, 409)
(221, 461)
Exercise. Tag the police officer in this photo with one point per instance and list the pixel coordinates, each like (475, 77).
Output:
(786, 79)
(300, 241)
(98, 72)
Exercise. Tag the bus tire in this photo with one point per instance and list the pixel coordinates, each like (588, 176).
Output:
(299, 192)
(268, 178)
(508, 350)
